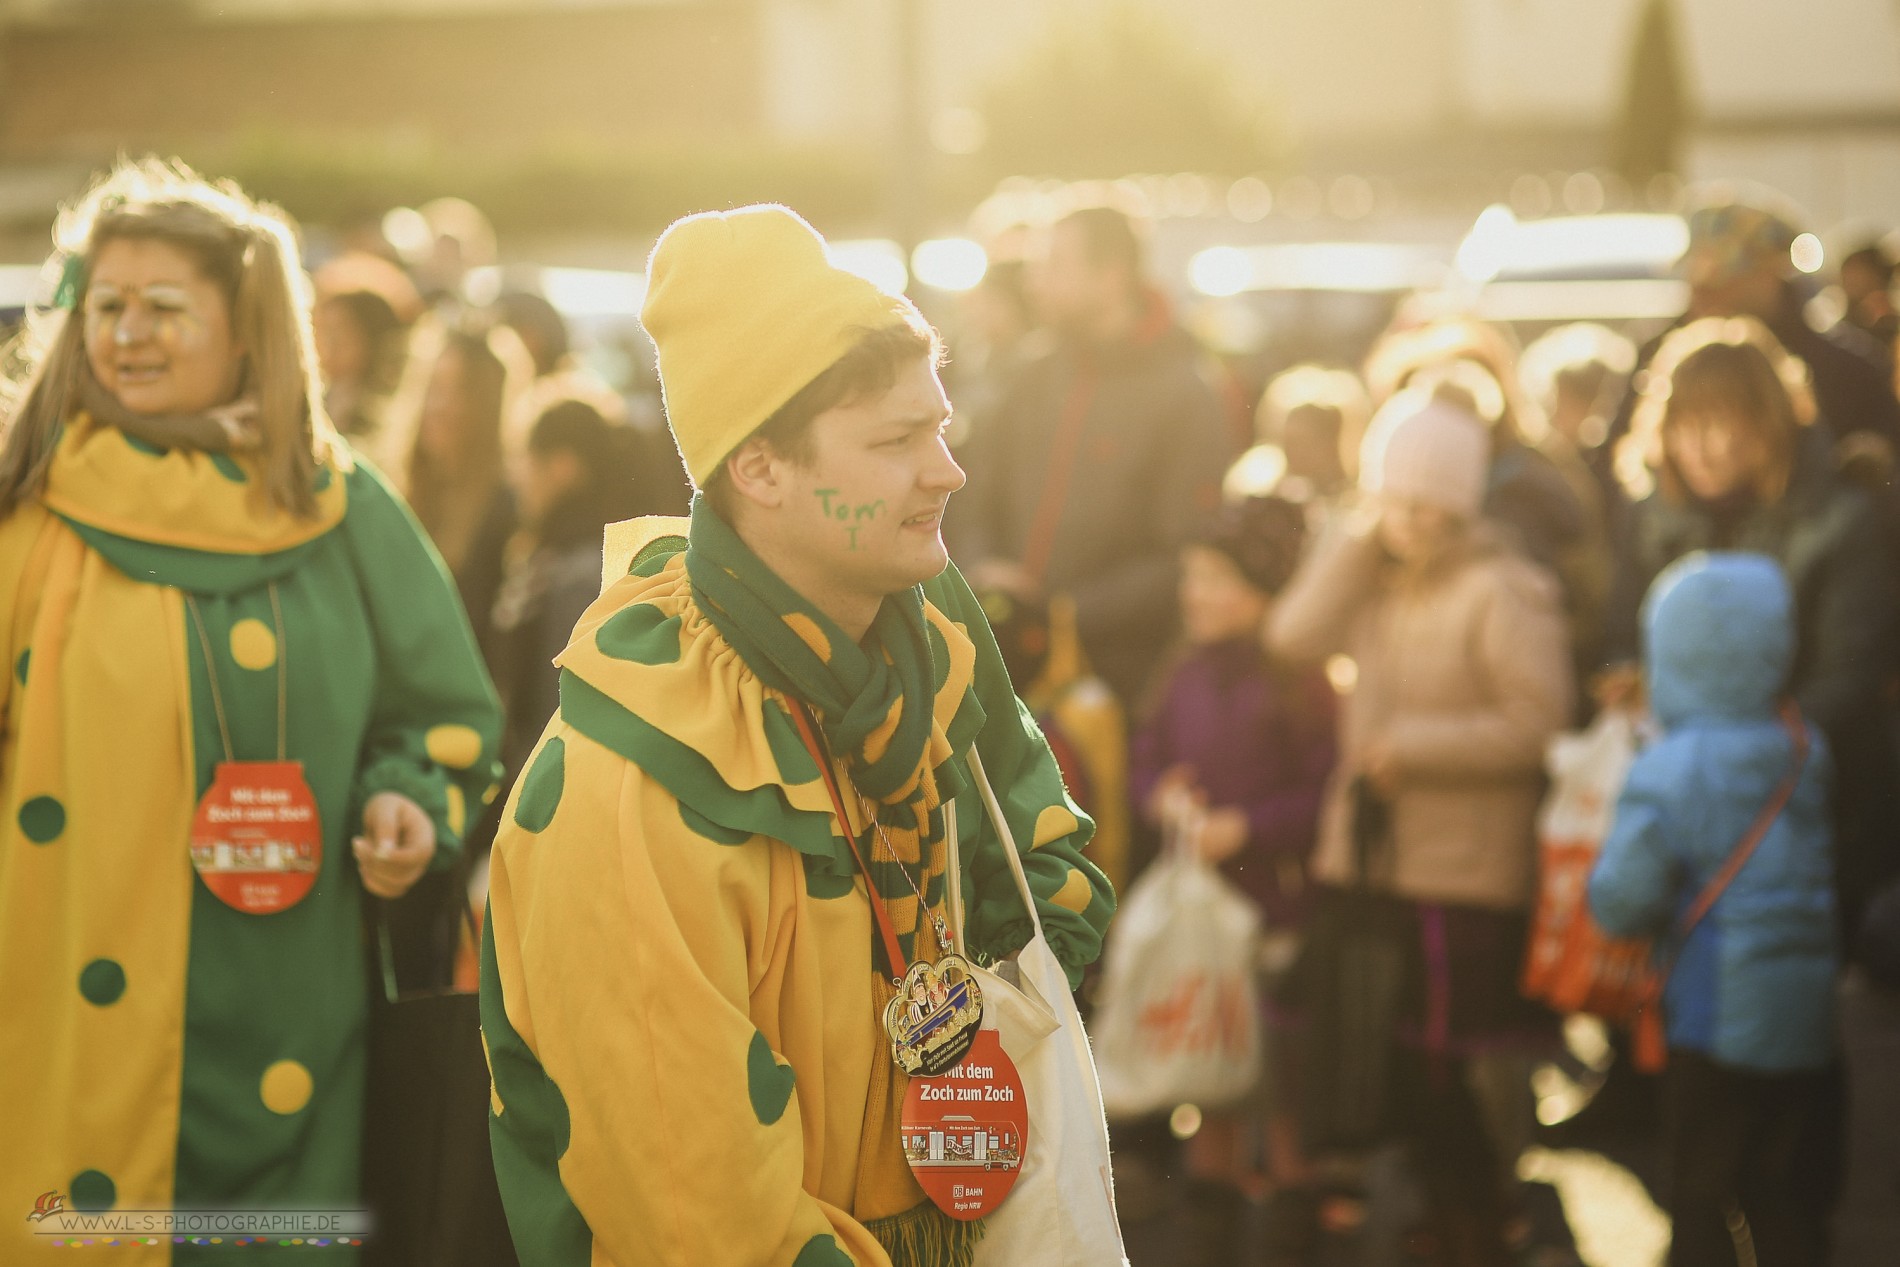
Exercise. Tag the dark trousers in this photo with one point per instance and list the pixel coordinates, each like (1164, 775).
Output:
(1746, 1152)
(1454, 1158)
(1867, 1220)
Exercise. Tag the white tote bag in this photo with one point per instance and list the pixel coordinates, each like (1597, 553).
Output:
(1179, 1021)
(1061, 1213)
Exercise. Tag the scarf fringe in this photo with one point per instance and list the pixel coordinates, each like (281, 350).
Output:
(924, 1236)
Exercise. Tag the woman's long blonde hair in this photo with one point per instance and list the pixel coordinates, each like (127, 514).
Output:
(1733, 365)
(249, 251)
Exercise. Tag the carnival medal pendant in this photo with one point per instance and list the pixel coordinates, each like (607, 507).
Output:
(934, 1017)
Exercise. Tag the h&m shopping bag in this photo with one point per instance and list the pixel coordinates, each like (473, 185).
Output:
(1179, 1021)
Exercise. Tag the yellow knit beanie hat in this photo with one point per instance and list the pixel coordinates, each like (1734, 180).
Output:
(745, 308)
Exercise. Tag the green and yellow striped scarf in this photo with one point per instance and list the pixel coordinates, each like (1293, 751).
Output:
(873, 701)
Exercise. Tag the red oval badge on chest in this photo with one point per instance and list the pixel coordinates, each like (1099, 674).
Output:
(256, 841)
(965, 1131)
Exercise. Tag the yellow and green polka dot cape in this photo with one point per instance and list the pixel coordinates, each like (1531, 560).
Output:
(163, 1049)
(679, 989)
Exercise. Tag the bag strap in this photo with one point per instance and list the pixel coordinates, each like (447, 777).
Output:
(953, 878)
(1739, 856)
(1651, 1043)
(1003, 833)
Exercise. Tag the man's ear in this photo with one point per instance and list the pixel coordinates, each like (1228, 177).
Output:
(757, 473)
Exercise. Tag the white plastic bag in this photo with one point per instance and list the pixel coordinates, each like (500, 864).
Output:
(1179, 1021)
(1061, 1212)
(1587, 770)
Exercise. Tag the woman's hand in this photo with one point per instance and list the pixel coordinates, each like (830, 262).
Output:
(1620, 686)
(1174, 794)
(397, 843)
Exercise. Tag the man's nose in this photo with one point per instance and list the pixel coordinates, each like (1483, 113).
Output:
(944, 472)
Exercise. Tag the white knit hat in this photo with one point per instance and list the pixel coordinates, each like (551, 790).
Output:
(1429, 450)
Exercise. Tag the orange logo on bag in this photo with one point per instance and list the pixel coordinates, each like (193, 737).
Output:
(1199, 1015)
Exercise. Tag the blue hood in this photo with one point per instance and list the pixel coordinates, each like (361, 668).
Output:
(1719, 637)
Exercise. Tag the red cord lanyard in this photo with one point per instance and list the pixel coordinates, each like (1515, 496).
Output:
(806, 731)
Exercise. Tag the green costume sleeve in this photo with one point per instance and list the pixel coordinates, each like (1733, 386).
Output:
(1073, 897)
(437, 725)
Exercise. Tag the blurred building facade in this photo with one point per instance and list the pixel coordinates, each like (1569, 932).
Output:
(1804, 97)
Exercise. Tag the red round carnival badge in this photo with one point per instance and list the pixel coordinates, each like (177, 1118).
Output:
(965, 1131)
(256, 841)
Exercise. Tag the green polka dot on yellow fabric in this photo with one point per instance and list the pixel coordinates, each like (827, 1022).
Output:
(253, 645)
(145, 446)
(1053, 823)
(455, 808)
(92, 1192)
(823, 884)
(808, 631)
(700, 825)
(768, 1083)
(655, 555)
(19, 665)
(42, 819)
(227, 466)
(1075, 893)
(541, 787)
(642, 634)
(455, 746)
(789, 753)
(285, 1087)
(822, 1251)
(102, 982)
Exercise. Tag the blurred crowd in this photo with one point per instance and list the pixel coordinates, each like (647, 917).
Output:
(510, 448)
(1321, 635)
(1324, 642)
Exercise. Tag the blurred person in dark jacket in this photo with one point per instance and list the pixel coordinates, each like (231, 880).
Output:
(1866, 1224)
(576, 477)
(1739, 264)
(1107, 451)
(561, 374)
(1316, 416)
(455, 472)
(996, 322)
(1867, 284)
(1578, 374)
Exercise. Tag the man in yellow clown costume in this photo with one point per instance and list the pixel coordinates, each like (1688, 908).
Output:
(681, 980)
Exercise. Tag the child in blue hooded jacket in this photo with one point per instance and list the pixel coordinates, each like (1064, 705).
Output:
(1748, 1006)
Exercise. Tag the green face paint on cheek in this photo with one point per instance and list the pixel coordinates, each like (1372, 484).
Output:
(848, 515)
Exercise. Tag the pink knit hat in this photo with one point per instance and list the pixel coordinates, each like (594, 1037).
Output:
(1428, 450)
